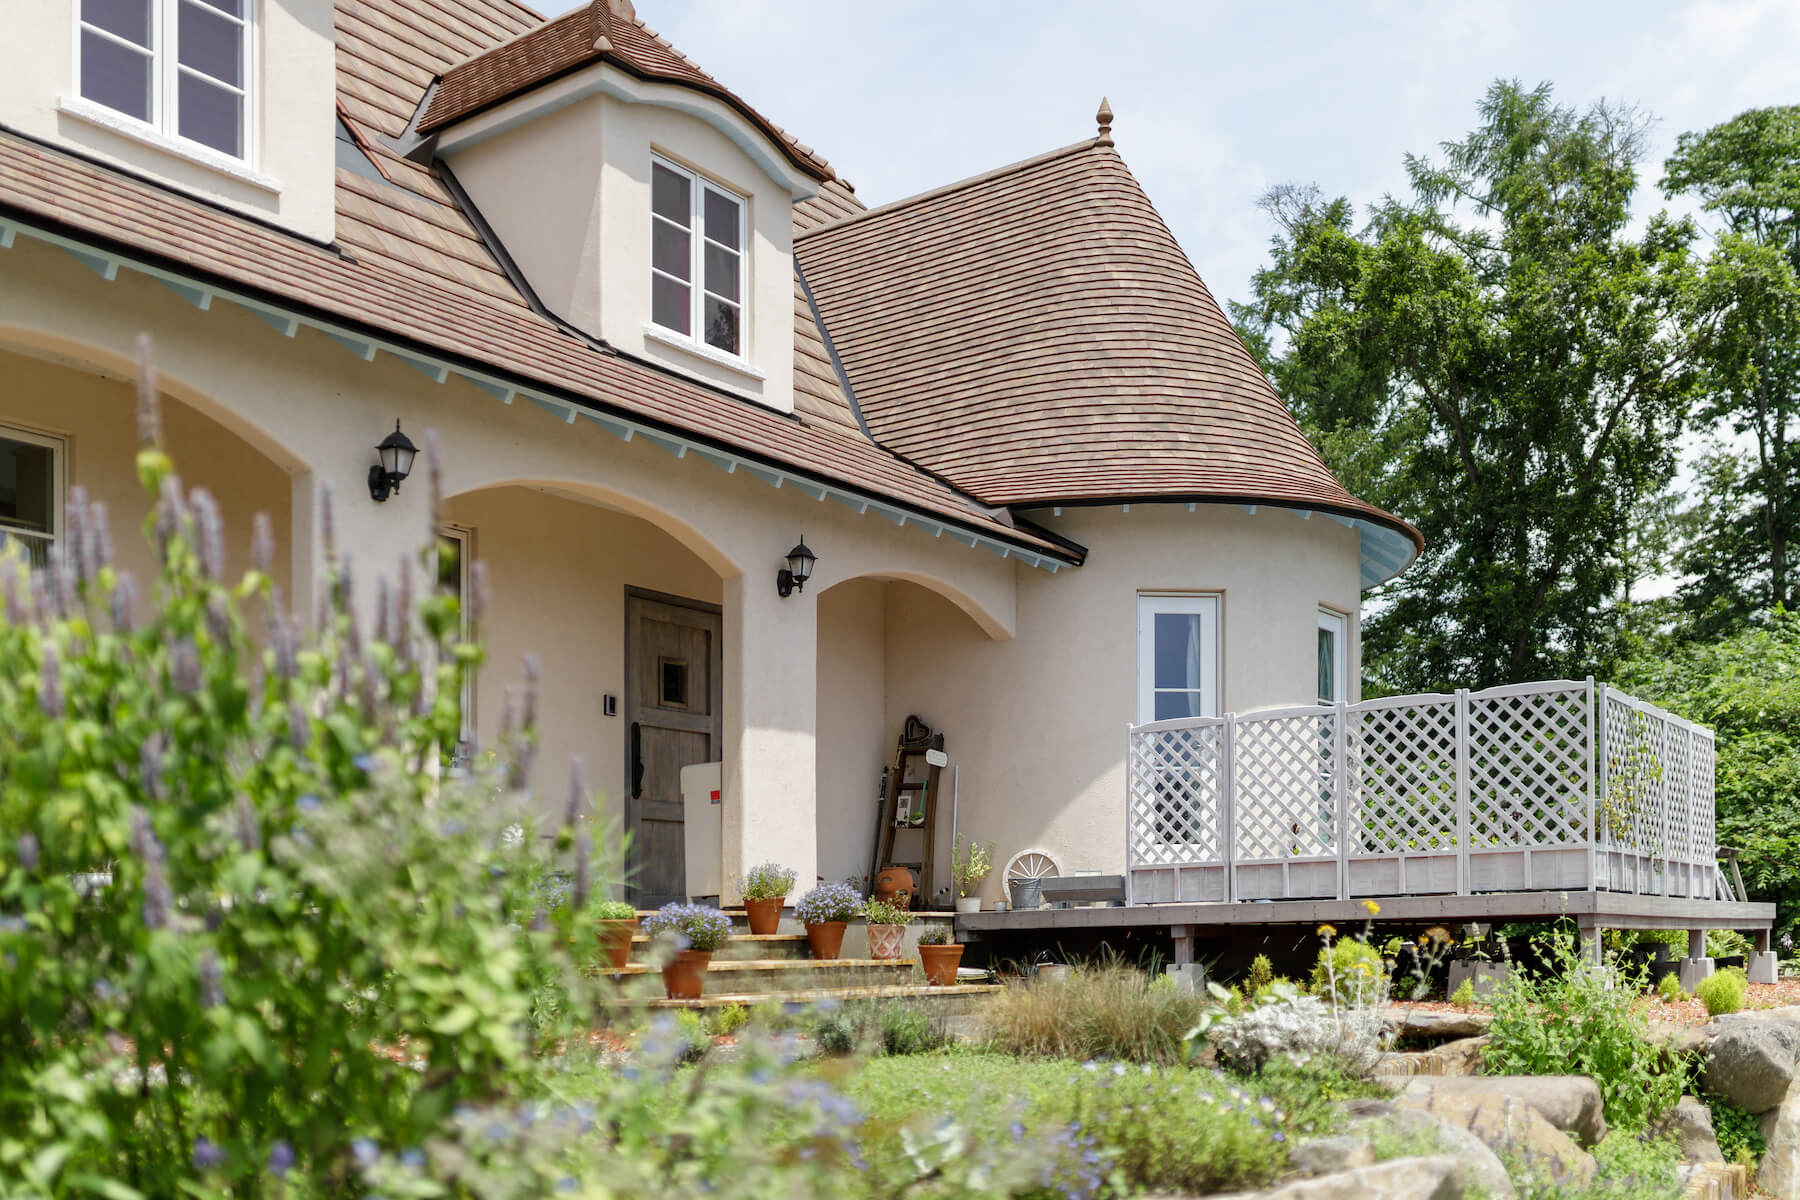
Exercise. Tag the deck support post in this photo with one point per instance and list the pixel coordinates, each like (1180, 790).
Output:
(1592, 953)
(1764, 966)
(1696, 966)
(1184, 944)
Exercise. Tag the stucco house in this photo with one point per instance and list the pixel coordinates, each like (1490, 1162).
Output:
(659, 342)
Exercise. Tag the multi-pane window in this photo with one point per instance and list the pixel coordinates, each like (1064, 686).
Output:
(180, 66)
(31, 467)
(1178, 657)
(1331, 657)
(696, 258)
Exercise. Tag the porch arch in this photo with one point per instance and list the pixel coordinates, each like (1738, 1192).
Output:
(989, 622)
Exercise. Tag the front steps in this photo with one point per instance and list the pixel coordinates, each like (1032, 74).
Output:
(778, 968)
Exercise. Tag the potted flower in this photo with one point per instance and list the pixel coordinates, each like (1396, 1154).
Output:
(939, 955)
(618, 924)
(887, 928)
(970, 863)
(765, 891)
(826, 910)
(696, 930)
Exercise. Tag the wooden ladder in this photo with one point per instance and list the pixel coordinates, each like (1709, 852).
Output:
(914, 779)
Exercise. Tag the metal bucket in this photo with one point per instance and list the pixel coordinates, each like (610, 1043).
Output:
(1026, 893)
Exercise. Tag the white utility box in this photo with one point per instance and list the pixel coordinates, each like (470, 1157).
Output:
(700, 810)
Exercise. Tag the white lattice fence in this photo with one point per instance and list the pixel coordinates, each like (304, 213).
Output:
(1544, 786)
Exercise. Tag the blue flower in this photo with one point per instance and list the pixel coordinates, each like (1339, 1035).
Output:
(207, 1154)
(281, 1158)
(365, 1152)
(414, 1158)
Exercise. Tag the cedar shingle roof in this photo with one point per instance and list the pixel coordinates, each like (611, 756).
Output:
(1035, 335)
(579, 38)
(409, 265)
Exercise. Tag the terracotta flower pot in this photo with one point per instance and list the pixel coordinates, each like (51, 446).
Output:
(764, 915)
(826, 938)
(886, 941)
(615, 941)
(940, 963)
(685, 976)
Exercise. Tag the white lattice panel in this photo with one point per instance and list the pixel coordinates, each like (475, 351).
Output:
(1283, 782)
(1528, 767)
(1175, 804)
(1402, 776)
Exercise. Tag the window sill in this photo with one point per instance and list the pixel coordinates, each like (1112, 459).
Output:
(146, 135)
(687, 345)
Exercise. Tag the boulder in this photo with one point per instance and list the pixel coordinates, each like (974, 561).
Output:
(1438, 1177)
(1673, 1039)
(1364, 1107)
(1751, 1063)
(1482, 1170)
(1778, 1174)
(1323, 1156)
(1412, 1024)
(1513, 1130)
(1571, 1103)
(1690, 1123)
(1461, 1057)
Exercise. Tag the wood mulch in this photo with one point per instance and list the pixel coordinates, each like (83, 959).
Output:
(1683, 1012)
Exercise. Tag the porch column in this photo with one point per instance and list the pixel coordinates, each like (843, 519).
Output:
(769, 805)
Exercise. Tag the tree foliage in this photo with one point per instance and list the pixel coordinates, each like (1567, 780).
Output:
(1746, 173)
(1503, 361)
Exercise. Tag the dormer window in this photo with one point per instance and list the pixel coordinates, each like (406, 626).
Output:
(696, 258)
(181, 67)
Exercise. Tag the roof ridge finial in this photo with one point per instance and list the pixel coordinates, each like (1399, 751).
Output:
(1104, 119)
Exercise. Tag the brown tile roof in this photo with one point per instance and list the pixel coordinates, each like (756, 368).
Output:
(1035, 335)
(589, 34)
(408, 265)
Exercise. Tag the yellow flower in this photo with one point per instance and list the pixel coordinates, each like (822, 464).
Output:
(1372, 907)
(1327, 931)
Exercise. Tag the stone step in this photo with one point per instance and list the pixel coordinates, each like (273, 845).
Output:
(765, 976)
(1715, 1181)
(957, 1000)
(742, 946)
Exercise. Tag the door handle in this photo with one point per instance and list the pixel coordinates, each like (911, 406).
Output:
(637, 760)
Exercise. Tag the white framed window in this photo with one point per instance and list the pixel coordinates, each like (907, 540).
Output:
(180, 67)
(31, 490)
(451, 558)
(1178, 656)
(697, 241)
(1333, 636)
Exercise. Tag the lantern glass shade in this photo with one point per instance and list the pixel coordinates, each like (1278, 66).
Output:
(800, 562)
(397, 452)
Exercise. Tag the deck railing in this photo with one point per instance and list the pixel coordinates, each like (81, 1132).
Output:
(1565, 785)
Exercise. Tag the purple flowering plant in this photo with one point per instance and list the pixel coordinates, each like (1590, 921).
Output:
(829, 902)
(689, 926)
(768, 881)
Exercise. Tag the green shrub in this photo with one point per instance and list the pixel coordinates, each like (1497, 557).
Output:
(834, 1032)
(1728, 943)
(1349, 972)
(909, 1029)
(1669, 988)
(236, 871)
(724, 1022)
(1722, 991)
(690, 1027)
(1739, 1132)
(1096, 1012)
(1464, 995)
(880, 912)
(1260, 975)
(1579, 1019)
(613, 910)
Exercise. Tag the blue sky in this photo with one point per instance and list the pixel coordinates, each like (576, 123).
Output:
(1213, 102)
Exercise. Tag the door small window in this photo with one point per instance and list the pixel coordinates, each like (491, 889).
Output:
(1331, 657)
(1178, 657)
(179, 66)
(696, 258)
(31, 491)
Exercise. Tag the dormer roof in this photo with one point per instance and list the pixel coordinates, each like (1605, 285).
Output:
(591, 34)
(1036, 336)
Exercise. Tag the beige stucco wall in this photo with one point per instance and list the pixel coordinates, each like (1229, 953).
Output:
(315, 411)
(557, 573)
(94, 416)
(854, 741)
(1037, 723)
(294, 73)
(567, 191)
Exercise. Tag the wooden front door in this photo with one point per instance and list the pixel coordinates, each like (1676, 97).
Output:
(673, 691)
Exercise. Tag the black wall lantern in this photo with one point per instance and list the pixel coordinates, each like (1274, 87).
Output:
(396, 451)
(792, 578)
